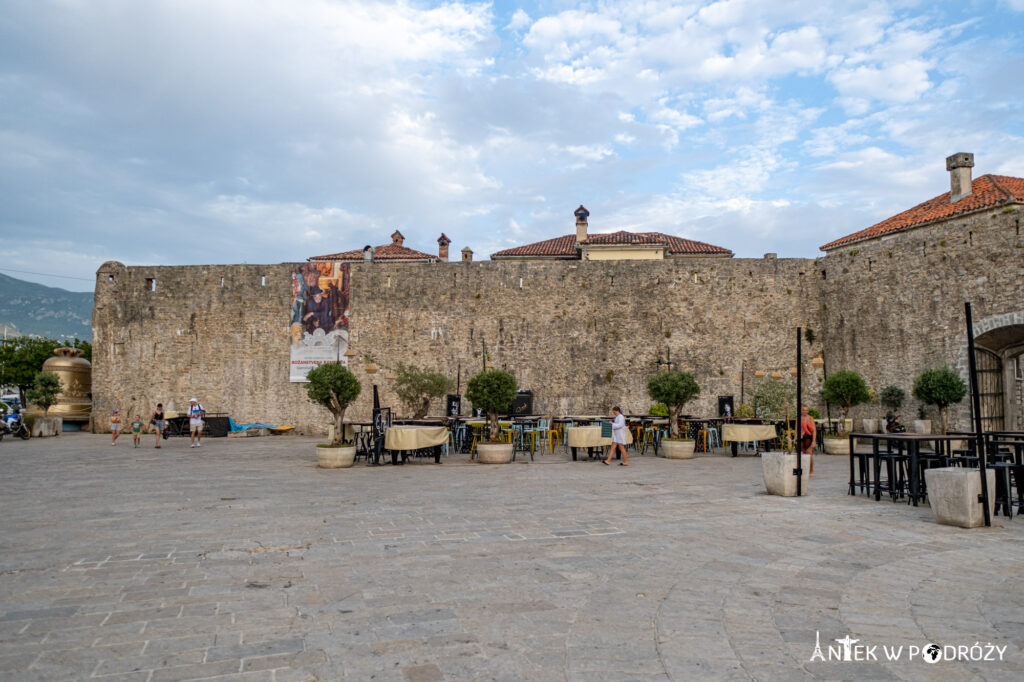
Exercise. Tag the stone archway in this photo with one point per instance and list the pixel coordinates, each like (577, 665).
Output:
(1000, 349)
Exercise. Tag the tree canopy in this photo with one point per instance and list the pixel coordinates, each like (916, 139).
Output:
(675, 389)
(415, 387)
(335, 387)
(846, 389)
(492, 391)
(941, 387)
(45, 390)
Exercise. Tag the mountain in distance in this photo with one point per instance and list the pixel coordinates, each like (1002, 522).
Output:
(30, 309)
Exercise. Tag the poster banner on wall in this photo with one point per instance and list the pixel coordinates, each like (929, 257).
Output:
(319, 316)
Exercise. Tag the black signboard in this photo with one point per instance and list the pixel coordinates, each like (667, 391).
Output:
(453, 405)
(725, 406)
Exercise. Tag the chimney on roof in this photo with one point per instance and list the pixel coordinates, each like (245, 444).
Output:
(581, 224)
(396, 238)
(467, 255)
(367, 254)
(442, 247)
(959, 166)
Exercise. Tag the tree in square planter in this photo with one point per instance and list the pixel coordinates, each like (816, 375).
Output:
(415, 387)
(844, 389)
(674, 389)
(493, 391)
(45, 390)
(940, 387)
(335, 387)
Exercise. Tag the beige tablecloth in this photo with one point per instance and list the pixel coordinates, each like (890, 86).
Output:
(414, 437)
(745, 433)
(589, 437)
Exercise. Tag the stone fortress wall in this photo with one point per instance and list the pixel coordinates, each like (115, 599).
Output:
(582, 335)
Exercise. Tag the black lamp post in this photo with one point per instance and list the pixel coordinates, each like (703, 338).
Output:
(666, 364)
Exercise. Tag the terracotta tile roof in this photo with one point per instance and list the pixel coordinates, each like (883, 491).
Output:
(986, 191)
(559, 247)
(565, 247)
(385, 252)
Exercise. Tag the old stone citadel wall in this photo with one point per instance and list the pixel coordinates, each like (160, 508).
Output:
(582, 335)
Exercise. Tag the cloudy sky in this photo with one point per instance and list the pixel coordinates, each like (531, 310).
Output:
(261, 131)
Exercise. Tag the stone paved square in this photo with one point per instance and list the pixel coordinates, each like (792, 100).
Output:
(244, 561)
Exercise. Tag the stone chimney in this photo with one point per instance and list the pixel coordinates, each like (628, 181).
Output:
(959, 167)
(581, 224)
(467, 255)
(442, 247)
(367, 254)
(397, 239)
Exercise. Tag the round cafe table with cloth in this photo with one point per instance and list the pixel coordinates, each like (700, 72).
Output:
(589, 437)
(747, 433)
(416, 438)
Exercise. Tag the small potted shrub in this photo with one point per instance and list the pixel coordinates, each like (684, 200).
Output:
(335, 387)
(845, 389)
(493, 391)
(940, 387)
(45, 390)
(674, 389)
(415, 387)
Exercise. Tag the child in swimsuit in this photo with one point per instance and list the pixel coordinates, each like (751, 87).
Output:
(115, 427)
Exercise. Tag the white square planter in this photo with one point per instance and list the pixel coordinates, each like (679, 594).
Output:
(779, 478)
(953, 495)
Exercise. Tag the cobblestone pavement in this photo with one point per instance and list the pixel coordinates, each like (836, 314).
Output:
(243, 560)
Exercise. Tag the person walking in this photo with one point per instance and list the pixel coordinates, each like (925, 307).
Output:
(808, 435)
(137, 431)
(115, 427)
(158, 422)
(618, 437)
(195, 422)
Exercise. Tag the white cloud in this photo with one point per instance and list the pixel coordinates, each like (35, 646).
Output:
(520, 20)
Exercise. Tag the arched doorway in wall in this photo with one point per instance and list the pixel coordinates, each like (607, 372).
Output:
(1000, 361)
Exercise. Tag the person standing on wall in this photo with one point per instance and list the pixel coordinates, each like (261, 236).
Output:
(195, 422)
(808, 435)
(158, 422)
(618, 437)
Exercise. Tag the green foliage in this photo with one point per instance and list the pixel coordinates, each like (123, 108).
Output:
(658, 410)
(492, 391)
(44, 391)
(415, 387)
(892, 397)
(941, 387)
(745, 411)
(809, 335)
(22, 358)
(675, 389)
(814, 413)
(774, 399)
(333, 386)
(846, 389)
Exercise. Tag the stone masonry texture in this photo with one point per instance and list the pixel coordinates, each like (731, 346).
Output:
(583, 336)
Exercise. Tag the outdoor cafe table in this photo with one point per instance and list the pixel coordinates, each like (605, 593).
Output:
(415, 438)
(747, 433)
(911, 443)
(589, 437)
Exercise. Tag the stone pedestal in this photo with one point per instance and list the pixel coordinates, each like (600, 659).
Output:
(494, 453)
(335, 458)
(953, 495)
(779, 478)
(677, 449)
(47, 426)
(870, 425)
(923, 426)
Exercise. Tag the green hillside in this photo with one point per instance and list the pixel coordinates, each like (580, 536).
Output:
(31, 309)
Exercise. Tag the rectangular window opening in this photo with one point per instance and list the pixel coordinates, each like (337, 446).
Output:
(222, 282)
(110, 278)
(263, 281)
(151, 283)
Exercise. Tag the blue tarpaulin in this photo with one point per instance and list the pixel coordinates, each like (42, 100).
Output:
(243, 427)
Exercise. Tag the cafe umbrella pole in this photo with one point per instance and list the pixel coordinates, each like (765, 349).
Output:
(799, 471)
(976, 408)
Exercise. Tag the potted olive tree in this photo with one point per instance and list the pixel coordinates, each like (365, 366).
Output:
(45, 390)
(493, 391)
(940, 387)
(335, 387)
(844, 389)
(891, 398)
(415, 387)
(674, 389)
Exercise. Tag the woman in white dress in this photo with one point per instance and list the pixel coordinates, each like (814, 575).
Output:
(618, 437)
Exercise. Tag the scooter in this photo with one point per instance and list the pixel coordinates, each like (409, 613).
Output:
(14, 425)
